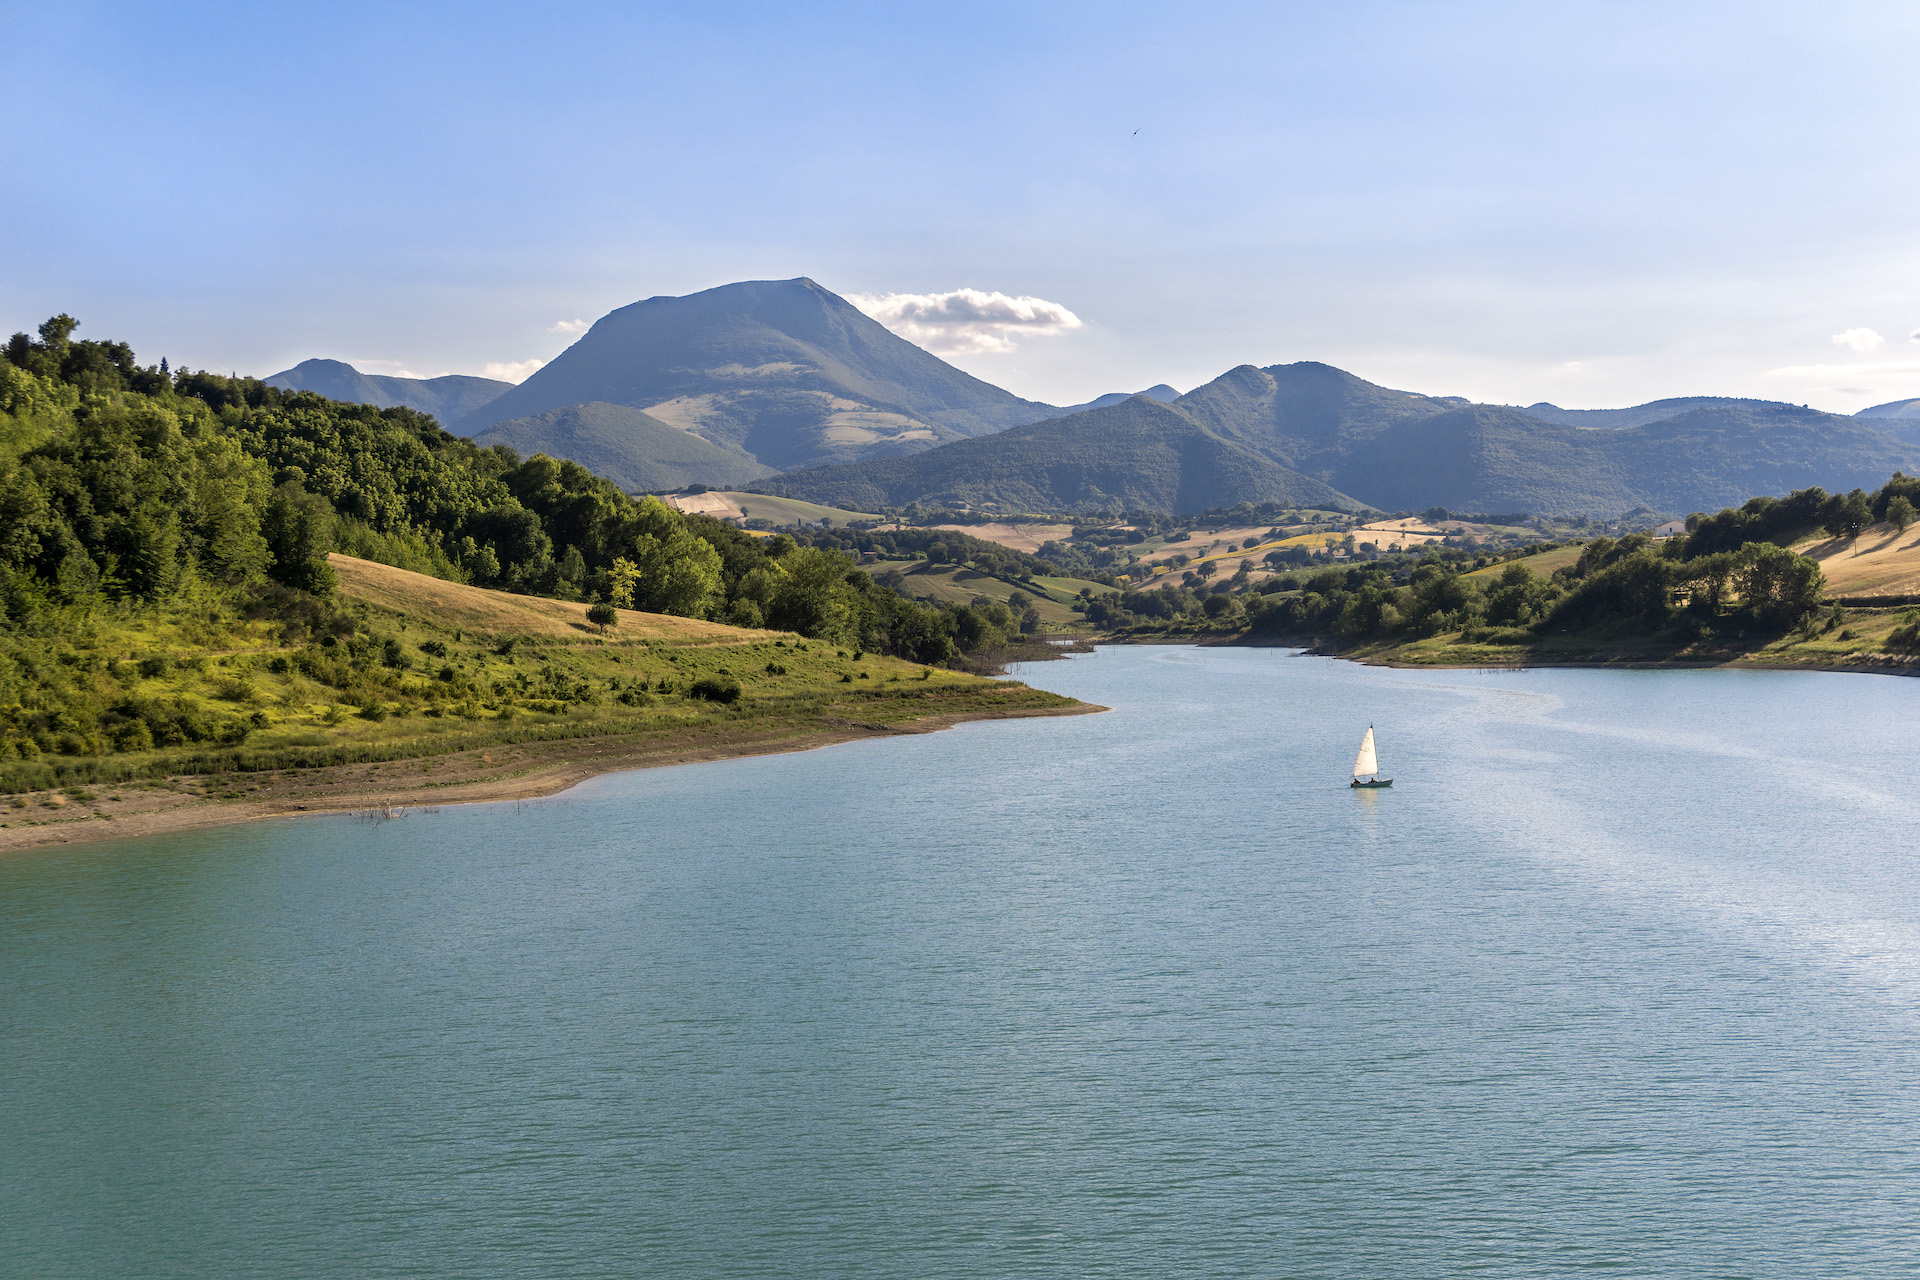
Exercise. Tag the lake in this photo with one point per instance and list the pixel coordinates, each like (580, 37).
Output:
(1622, 975)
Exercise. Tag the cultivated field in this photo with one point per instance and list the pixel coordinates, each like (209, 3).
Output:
(759, 506)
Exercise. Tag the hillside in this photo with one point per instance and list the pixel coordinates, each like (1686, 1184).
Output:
(1159, 391)
(1139, 454)
(636, 451)
(743, 506)
(1892, 409)
(427, 692)
(447, 398)
(1882, 561)
(1637, 415)
(783, 372)
(1314, 434)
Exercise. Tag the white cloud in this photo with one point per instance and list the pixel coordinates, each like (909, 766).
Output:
(571, 326)
(1859, 339)
(966, 321)
(1914, 336)
(512, 370)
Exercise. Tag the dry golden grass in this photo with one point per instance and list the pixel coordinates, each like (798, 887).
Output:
(1880, 562)
(451, 604)
(1015, 537)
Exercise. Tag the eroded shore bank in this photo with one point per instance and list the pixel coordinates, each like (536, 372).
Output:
(522, 771)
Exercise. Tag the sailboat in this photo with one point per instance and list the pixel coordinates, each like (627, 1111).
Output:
(1366, 765)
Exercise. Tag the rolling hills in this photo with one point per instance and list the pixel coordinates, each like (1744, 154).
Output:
(447, 398)
(1311, 433)
(783, 373)
(1136, 455)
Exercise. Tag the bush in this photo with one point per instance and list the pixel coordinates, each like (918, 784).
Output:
(711, 689)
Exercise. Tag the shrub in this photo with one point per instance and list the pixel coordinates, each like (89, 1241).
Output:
(712, 689)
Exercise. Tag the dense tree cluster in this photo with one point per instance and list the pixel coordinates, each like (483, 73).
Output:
(122, 482)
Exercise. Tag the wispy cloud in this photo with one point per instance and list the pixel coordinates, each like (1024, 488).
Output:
(966, 321)
(1861, 339)
(512, 370)
(571, 326)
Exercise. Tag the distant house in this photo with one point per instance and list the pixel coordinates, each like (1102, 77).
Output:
(1671, 529)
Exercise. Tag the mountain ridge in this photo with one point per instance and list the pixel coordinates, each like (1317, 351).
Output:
(448, 397)
(1331, 433)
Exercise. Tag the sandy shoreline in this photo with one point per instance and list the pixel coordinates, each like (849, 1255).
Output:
(481, 776)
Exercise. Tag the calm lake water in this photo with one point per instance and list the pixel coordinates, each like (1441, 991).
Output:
(1622, 975)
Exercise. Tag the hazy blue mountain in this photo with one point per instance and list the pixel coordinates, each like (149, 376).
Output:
(1640, 414)
(1898, 418)
(1401, 451)
(781, 371)
(1893, 409)
(635, 451)
(1160, 391)
(1311, 432)
(1139, 454)
(448, 399)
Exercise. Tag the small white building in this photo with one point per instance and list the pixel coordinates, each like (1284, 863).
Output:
(1671, 529)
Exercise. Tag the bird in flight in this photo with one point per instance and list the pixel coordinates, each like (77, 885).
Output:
(1136, 132)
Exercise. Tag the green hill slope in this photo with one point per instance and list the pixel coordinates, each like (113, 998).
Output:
(1400, 451)
(635, 451)
(1139, 454)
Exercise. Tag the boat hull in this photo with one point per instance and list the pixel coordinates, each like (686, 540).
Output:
(1368, 786)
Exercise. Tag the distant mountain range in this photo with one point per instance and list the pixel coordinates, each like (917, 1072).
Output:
(1320, 430)
(732, 385)
(449, 398)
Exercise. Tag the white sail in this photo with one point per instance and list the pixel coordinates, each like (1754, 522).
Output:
(1366, 763)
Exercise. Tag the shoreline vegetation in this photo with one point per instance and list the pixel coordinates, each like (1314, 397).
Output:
(1812, 581)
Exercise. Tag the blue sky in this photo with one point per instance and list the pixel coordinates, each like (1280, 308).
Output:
(1594, 204)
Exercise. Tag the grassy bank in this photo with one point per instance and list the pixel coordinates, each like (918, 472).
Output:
(406, 667)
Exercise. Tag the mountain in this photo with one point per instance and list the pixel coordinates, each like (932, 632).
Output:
(448, 399)
(1899, 419)
(1892, 409)
(1160, 391)
(1310, 432)
(1139, 454)
(1637, 415)
(783, 372)
(637, 452)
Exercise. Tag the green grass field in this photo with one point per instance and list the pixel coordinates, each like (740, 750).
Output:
(954, 584)
(1543, 564)
(443, 667)
(759, 506)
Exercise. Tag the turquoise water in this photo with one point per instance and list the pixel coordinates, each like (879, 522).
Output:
(1623, 975)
